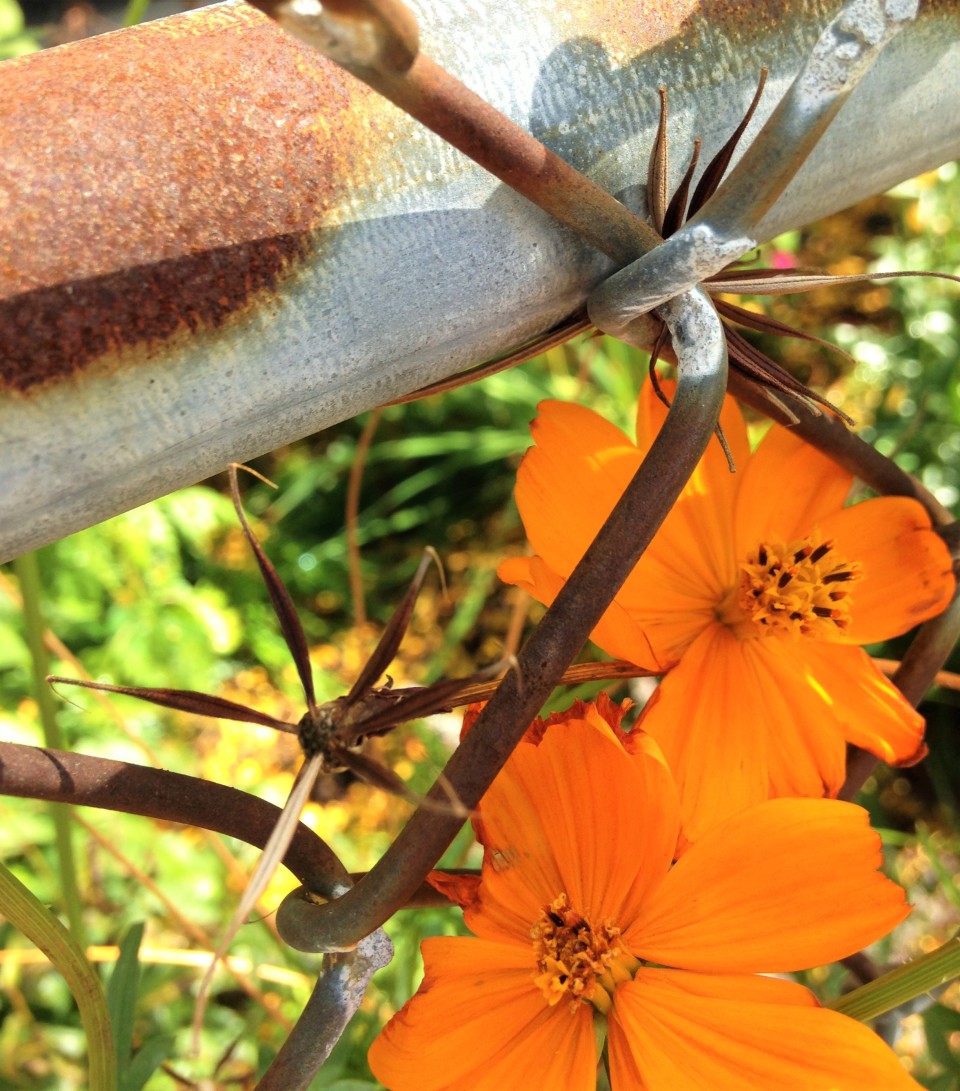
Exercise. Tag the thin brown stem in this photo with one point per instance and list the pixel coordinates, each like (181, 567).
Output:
(351, 517)
(519, 608)
(560, 335)
(944, 679)
(65, 777)
(577, 675)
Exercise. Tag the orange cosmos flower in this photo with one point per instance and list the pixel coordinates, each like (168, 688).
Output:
(752, 598)
(583, 928)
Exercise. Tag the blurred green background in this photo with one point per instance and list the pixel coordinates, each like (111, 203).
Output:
(168, 595)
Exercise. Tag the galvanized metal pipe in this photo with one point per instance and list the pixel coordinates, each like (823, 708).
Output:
(212, 241)
(724, 229)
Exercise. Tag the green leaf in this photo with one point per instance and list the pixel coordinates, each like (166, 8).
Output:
(122, 993)
(940, 1022)
(150, 1056)
(135, 12)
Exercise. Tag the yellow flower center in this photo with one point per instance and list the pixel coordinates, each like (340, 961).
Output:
(578, 961)
(799, 589)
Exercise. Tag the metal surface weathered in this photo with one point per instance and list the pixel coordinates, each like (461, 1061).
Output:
(213, 241)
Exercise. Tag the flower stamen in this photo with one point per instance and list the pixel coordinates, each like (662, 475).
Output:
(793, 589)
(577, 961)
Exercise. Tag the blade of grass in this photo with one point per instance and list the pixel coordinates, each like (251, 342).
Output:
(27, 914)
(28, 574)
(149, 1057)
(122, 993)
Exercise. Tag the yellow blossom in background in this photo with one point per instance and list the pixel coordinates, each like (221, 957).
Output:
(752, 599)
(584, 929)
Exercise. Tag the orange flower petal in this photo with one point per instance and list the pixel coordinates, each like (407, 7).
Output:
(579, 815)
(460, 889)
(568, 484)
(692, 554)
(739, 721)
(686, 1032)
(674, 619)
(871, 711)
(673, 591)
(761, 891)
(651, 413)
(618, 634)
(787, 489)
(906, 566)
(479, 1021)
(570, 480)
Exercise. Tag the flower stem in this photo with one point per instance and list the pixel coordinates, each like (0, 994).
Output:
(29, 576)
(902, 985)
(27, 914)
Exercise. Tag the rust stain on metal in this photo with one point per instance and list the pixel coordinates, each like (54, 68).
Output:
(156, 180)
(50, 333)
(201, 130)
